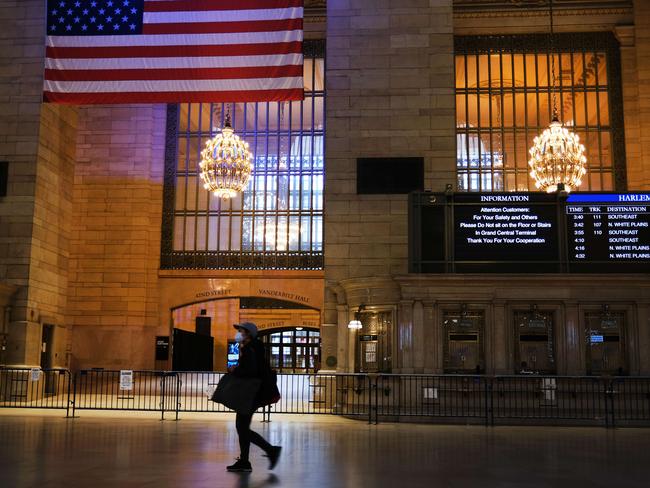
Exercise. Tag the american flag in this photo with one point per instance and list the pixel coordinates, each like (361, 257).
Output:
(160, 51)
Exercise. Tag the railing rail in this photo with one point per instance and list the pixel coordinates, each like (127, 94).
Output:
(607, 401)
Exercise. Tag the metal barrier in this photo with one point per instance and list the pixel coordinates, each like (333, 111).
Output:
(149, 391)
(432, 397)
(35, 388)
(387, 397)
(543, 398)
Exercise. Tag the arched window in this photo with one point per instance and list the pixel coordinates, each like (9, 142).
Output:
(504, 99)
(277, 223)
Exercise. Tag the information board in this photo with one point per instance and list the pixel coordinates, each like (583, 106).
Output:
(529, 232)
(516, 227)
(610, 228)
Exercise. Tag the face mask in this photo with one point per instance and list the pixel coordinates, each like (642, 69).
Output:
(239, 337)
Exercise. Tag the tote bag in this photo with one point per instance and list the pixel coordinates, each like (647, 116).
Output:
(237, 393)
(269, 393)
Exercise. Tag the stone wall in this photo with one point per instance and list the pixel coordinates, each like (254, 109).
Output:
(639, 139)
(390, 93)
(115, 245)
(38, 142)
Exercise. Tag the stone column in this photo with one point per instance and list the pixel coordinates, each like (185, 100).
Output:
(24, 344)
(501, 352)
(418, 337)
(643, 346)
(405, 337)
(431, 341)
(343, 363)
(574, 363)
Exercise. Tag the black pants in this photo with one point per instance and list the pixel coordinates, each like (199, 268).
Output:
(246, 435)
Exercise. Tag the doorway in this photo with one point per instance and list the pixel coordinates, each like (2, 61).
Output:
(290, 331)
(47, 337)
(293, 350)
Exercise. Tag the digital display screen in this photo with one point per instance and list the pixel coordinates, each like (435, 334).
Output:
(233, 353)
(515, 227)
(608, 227)
(524, 232)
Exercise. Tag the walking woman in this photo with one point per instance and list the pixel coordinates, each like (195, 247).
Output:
(252, 364)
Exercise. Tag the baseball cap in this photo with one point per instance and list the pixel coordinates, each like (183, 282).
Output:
(249, 326)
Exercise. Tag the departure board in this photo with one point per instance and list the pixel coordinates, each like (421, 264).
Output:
(516, 227)
(608, 228)
(529, 232)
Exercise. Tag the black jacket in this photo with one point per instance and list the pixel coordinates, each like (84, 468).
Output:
(252, 361)
(253, 364)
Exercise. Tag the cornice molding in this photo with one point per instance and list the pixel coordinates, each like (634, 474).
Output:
(534, 8)
(540, 13)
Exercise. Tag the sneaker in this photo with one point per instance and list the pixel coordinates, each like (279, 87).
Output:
(240, 467)
(273, 454)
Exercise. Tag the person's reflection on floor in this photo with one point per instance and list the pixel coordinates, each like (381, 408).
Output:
(244, 481)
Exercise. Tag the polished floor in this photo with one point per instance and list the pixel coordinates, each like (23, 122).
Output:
(111, 450)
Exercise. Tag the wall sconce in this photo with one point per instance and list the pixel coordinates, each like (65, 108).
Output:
(356, 324)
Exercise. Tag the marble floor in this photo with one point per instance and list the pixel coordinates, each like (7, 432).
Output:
(42, 449)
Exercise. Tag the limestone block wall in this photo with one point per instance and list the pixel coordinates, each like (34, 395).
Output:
(115, 244)
(50, 247)
(389, 94)
(640, 138)
(38, 142)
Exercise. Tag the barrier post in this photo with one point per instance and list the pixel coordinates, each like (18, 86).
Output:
(67, 405)
(178, 394)
(162, 392)
(74, 395)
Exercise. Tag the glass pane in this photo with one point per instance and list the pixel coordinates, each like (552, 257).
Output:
(603, 104)
(179, 228)
(472, 73)
(460, 72)
(506, 65)
(531, 71)
(180, 193)
(494, 78)
(190, 226)
(601, 69)
(461, 107)
(287, 357)
(472, 110)
(201, 233)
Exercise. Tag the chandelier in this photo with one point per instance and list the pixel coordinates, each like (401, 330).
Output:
(557, 158)
(226, 163)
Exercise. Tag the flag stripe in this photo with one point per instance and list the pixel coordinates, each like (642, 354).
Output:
(223, 27)
(178, 39)
(223, 16)
(101, 53)
(175, 62)
(202, 5)
(172, 85)
(275, 95)
(175, 50)
(175, 74)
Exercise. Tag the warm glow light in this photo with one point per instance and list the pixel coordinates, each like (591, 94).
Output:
(557, 158)
(226, 163)
(354, 324)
